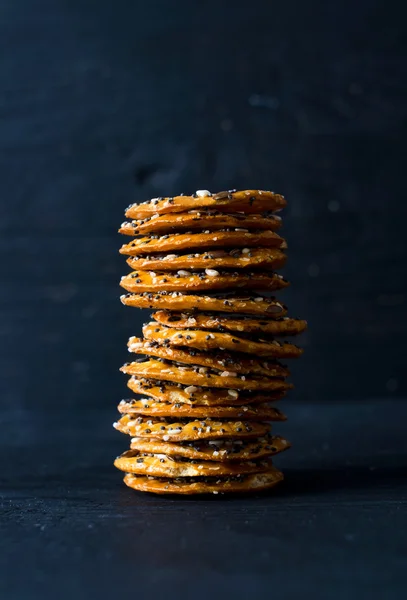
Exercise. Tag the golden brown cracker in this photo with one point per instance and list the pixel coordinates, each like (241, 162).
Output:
(241, 258)
(201, 376)
(204, 340)
(208, 280)
(176, 242)
(197, 219)
(160, 465)
(275, 327)
(247, 201)
(227, 303)
(149, 407)
(221, 361)
(164, 391)
(215, 450)
(178, 430)
(207, 485)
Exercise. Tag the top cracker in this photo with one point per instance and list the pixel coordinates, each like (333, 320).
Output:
(247, 201)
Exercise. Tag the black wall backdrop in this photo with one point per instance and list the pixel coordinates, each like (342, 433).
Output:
(103, 103)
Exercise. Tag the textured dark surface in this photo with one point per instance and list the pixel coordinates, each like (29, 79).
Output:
(103, 103)
(335, 529)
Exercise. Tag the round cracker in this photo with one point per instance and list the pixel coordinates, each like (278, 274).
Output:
(215, 450)
(283, 326)
(222, 361)
(207, 485)
(247, 201)
(254, 305)
(163, 391)
(149, 407)
(152, 281)
(195, 219)
(175, 242)
(202, 340)
(201, 376)
(245, 258)
(160, 465)
(178, 430)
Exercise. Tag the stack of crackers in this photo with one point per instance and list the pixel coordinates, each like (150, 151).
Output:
(209, 370)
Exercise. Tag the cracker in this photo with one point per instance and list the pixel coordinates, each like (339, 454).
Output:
(283, 326)
(178, 430)
(149, 407)
(215, 450)
(163, 391)
(247, 201)
(209, 280)
(160, 465)
(228, 303)
(240, 258)
(196, 219)
(221, 361)
(207, 485)
(202, 340)
(176, 242)
(201, 376)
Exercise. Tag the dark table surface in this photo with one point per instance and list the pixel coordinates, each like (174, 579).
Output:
(103, 103)
(335, 529)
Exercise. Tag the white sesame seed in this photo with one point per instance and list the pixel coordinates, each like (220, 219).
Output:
(245, 250)
(259, 299)
(184, 273)
(203, 193)
(166, 438)
(212, 272)
(233, 393)
(191, 389)
(135, 345)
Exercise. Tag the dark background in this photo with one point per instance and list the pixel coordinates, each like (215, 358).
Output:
(104, 103)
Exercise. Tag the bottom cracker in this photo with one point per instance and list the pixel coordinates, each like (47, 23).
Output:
(205, 485)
